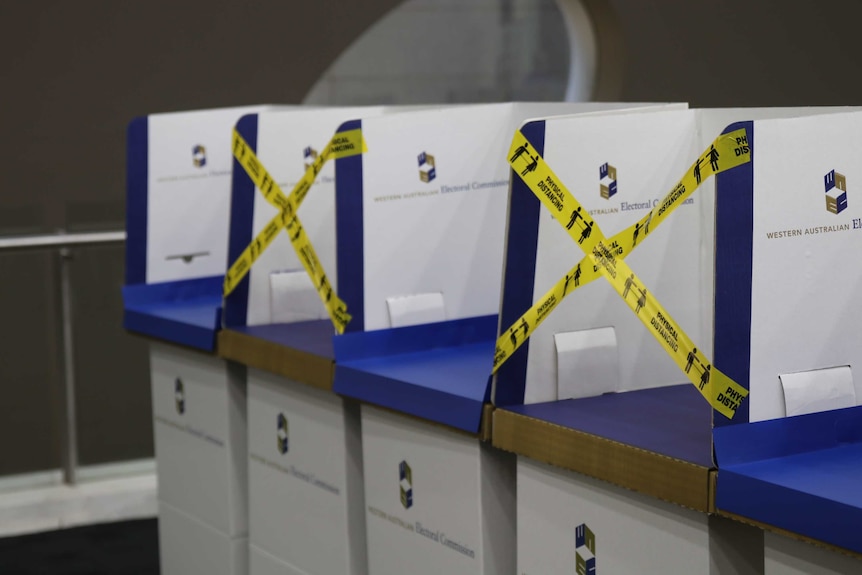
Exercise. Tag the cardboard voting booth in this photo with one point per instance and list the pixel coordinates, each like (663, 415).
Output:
(304, 456)
(420, 274)
(593, 353)
(178, 203)
(787, 231)
(592, 375)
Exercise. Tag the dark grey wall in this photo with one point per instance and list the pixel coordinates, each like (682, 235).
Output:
(731, 53)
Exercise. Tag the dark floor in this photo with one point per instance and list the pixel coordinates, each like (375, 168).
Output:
(126, 548)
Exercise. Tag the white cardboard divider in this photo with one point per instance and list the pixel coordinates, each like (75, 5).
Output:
(188, 192)
(649, 152)
(805, 283)
(285, 142)
(444, 216)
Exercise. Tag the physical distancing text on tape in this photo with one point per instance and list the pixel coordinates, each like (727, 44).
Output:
(604, 257)
(342, 145)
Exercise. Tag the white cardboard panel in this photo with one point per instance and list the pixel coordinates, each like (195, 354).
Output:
(305, 477)
(804, 287)
(639, 353)
(435, 187)
(189, 547)
(711, 122)
(189, 185)
(199, 411)
(282, 140)
(784, 556)
(437, 501)
(649, 152)
(632, 533)
(625, 532)
(263, 563)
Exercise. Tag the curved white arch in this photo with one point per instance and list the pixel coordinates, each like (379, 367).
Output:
(583, 50)
(385, 64)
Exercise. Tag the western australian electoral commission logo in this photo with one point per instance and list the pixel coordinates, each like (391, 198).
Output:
(180, 396)
(405, 477)
(427, 167)
(607, 181)
(309, 155)
(835, 187)
(199, 156)
(585, 550)
(836, 192)
(282, 434)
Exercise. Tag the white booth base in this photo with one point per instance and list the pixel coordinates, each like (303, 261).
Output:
(785, 556)
(199, 422)
(438, 501)
(189, 547)
(305, 480)
(570, 523)
(263, 563)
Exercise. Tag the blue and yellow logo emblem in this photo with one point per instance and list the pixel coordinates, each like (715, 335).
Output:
(836, 192)
(405, 476)
(585, 550)
(282, 434)
(427, 167)
(607, 181)
(180, 396)
(199, 156)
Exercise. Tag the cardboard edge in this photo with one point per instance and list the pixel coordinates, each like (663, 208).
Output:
(150, 339)
(486, 425)
(659, 476)
(483, 435)
(713, 489)
(789, 534)
(293, 364)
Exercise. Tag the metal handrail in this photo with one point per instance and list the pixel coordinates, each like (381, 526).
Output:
(64, 243)
(60, 240)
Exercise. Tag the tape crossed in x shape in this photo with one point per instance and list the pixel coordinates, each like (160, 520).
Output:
(342, 145)
(605, 257)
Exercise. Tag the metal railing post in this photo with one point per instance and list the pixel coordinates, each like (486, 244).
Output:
(64, 243)
(70, 457)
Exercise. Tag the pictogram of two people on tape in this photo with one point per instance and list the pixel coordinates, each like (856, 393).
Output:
(533, 161)
(690, 360)
(712, 155)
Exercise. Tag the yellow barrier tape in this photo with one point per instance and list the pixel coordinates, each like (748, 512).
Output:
(724, 394)
(342, 145)
(726, 152)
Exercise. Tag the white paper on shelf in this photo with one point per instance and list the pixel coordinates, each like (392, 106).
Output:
(416, 309)
(818, 390)
(293, 298)
(587, 363)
